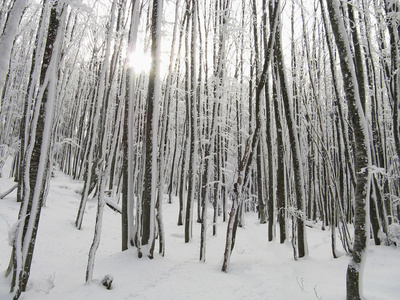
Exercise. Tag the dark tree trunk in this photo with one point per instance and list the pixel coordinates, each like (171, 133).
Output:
(294, 147)
(280, 169)
(191, 102)
(36, 162)
(148, 200)
(361, 151)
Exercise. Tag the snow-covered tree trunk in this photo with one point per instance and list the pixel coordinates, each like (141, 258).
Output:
(343, 143)
(377, 120)
(362, 152)
(244, 167)
(37, 154)
(7, 38)
(191, 91)
(26, 117)
(97, 230)
(149, 193)
(99, 104)
(271, 202)
(262, 213)
(280, 168)
(164, 129)
(236, 203)
(104, 165)
(128, 234)
(393, 77)
(294, 147)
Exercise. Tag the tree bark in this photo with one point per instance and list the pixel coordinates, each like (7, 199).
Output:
(148, 197)
(295, 149)
(362, 152)
(36, 158)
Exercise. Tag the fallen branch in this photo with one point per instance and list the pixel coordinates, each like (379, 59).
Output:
(111, 204)
(2, 196)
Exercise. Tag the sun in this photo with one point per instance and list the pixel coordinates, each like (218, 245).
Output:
(139, 61)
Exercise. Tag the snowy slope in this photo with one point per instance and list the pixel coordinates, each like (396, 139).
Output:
(259, 270)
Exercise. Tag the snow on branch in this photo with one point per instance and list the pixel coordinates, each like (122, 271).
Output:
(113, 205)
(9, 191)
(374, 170)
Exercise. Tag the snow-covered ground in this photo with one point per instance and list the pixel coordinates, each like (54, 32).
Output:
(259, 269)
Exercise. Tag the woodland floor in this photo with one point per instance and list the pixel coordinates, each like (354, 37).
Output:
(259, 269)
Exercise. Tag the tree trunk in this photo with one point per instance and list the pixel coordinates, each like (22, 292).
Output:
(251, 144)
(148, 197)
(7, 38)
(362, 153)
(127, 140)
(191, 92)
(36, 158)
(295, 150)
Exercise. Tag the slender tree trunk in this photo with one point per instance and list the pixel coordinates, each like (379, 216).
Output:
(392, 74)
(94, 139)
(148, 197)
(244, 166)
(280, 170)
(128, 160)
(192, 78)
(268, 135)
(25, 120)
(295, 150)
(362, 152)
(36, 158)
(7, 39)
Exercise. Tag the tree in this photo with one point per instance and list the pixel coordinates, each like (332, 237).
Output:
(128, 232)
(251, 144)
(361, 153)
(7, 37)
(103, 169)
(8, 32)
(268, 135)
(392, 9)
(191, 81)
(300, 242)
(36, 160)
(148, 197)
